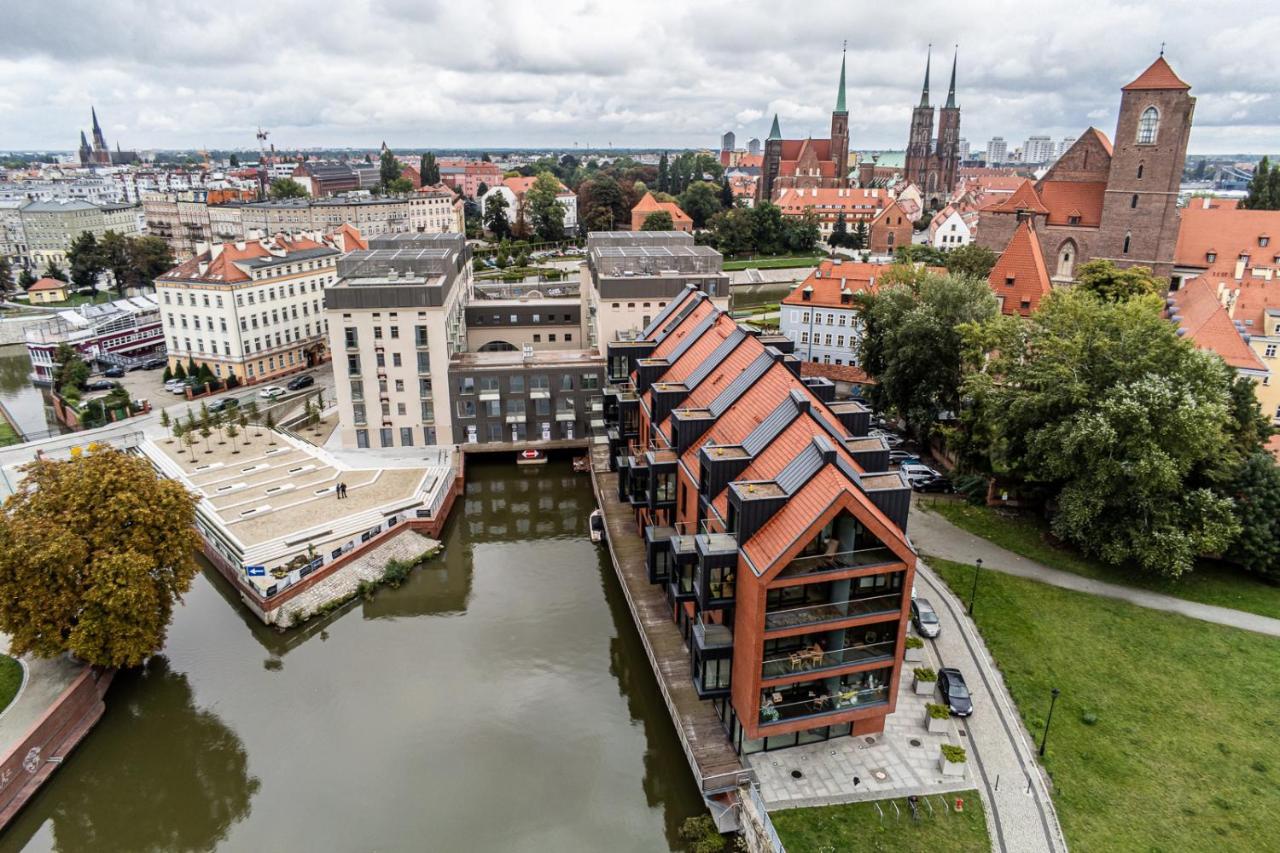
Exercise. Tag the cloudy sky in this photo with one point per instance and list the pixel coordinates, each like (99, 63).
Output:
(593, 72)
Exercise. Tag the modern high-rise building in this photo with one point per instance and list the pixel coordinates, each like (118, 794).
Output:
(962, 148)
(729, 141)
(1038, 149)
(997, 150)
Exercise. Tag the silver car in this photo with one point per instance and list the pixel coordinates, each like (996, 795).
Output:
(924, 618)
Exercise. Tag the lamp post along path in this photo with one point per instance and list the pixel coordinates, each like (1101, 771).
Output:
(1045, 738)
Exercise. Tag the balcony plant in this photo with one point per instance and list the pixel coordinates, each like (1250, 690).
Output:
(925, 681)
(951, 760)
(914, 650)
(936, 717)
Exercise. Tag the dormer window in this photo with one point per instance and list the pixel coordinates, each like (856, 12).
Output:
(1073, 220)
(1211, 256)
(1008, 281)
(1264, 240)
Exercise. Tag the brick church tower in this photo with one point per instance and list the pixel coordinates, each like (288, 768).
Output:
(840, 130)
(932, 165)
(948, 151)
(920, 143)
(1140, 209)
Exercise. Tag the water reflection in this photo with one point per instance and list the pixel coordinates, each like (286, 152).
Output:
(119, 792)
(28, 405)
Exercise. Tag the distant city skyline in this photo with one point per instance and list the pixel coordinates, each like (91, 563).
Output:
(505, 75)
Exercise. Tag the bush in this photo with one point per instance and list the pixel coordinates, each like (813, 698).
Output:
(954, 754)
(924, 673)
(914, 643)
(396, 572)
(1089, 718)
(972, 486)
(701, 834)
(938, 712)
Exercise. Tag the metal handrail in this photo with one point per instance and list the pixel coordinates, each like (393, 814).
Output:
(860, 608)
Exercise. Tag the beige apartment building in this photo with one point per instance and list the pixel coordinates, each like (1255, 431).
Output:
(396, 316)
(251, 309)
(50, 226)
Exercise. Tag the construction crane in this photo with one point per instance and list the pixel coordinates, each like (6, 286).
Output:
(262, 141)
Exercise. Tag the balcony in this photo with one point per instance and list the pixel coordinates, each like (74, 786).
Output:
(854, 608)
(711, 635)
(791, 704)
(839, 562)
(806, 660)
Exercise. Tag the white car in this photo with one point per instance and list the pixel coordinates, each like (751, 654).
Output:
(271, 392)
(917, 471)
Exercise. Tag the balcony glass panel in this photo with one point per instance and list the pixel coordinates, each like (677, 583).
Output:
(812, 656)
(831, 611)
(839, 561)
(824, 696)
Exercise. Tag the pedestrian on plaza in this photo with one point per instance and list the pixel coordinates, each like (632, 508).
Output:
(344, 490)
(337, 490)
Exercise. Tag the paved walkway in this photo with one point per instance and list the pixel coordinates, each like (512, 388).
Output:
(44, 680)
(1002, 761)
(934, 535)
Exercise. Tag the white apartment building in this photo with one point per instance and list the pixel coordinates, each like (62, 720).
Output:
(1039, 149)
(997, 150)
(252, 309)
(949, 230)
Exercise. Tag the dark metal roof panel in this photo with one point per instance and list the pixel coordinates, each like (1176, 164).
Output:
(710, 363)
(740, 384)
(769, 429)
(799, 470)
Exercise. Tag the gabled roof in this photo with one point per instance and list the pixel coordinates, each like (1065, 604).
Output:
(831, 278)
(1020, 277)
(649, 204)
(48, 284)
(1023, 198)
(1227, 232)
(1079, 199)
(1102, 139)
(1158, 76)
(1207, 324)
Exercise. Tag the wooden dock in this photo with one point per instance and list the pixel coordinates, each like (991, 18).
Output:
(715, 765)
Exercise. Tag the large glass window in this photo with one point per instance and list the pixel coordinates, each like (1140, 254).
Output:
(1148, 125)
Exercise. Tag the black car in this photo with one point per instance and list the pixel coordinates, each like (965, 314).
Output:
(932, 484)
(115, 371)
(224, 403)
(955, 693)
(301, 382)
(98, 385)
(154, 363)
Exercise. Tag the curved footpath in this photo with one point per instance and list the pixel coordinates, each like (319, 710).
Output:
(1002, 760)
(934, 535)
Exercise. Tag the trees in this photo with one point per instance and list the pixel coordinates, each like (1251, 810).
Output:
(429, 169)
(1256, 491)
(860, 236)
(972, 260)
(701, 201)
(726, 194)
(400, 186)
(6, 274)
(1121, 422)
(602, 204)
(839, 232)
(1110, 284)
(495, 216)
(26, 278)
(389, 169)
(52, 270)
(283, 188)
(94, 552)
(149, 257)
(84, 259)
(664, 173)
(233, 161)
(912, 344)
(660, 221)
(918, 253)
(1264, 188)
(545, 212)
(114, 248)
(800, 233)
(71, 372)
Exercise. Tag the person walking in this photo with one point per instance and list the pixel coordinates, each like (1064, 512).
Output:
(337, 490)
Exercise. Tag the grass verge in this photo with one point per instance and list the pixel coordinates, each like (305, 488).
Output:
(774, 263)
(1165, 734)
(857, 826)
(8, 435)
(10, 680)
(1211, 583)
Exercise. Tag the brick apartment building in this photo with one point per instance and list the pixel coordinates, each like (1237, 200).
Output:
(771, 522)
(888, 225)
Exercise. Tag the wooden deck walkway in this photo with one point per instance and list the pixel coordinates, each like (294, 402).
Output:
(711, 757)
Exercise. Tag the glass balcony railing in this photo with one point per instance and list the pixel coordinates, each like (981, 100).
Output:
(712, 635)
(805, 661)
(838, 562)
(832, 611)
(825, 703)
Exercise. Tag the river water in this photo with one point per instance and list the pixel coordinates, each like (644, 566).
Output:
(30, 407)
(500, 700)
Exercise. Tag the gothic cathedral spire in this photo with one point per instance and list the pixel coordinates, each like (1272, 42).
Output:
(951, 91)
(840, 104)
(775, 132)
(924, 94)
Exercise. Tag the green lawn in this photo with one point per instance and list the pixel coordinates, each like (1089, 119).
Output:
(1210, 583)
(858, 827)
(8, 435)
(10, 680)
(774, 263)
(97, 299)
(1182, 753)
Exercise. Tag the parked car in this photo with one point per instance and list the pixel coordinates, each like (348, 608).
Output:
(98, 385)
(223, 404)
(955, 693)
(902, 457)
(154, 363)
(942, 485)
(301, 382)
(918, 471)
(271, 392)
(925, 618)
(115, 371)
(891, 439)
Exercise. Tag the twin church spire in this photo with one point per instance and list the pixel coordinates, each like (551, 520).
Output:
(951, 90)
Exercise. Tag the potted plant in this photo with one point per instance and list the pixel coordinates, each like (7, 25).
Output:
(925, 681)
(951, 760)
(914, 650)
(936, 717)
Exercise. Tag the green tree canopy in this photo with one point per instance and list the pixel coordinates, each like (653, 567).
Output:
(400, 186)
(971, 260)
(839, 231)
(429, 169)
(660, 221)
(6, 274)
(148, 257)
(1112, 284)
(602, 204)
(72, 371)
(1264, 188)
(543, 208)
(389, 169)
(282, 188)
(94, 553)
(1120, 421)
(114, 247)
(701, 201)
(26, 278)
(52, 270)
(1256, 491)
(84, 258)
(495, 216)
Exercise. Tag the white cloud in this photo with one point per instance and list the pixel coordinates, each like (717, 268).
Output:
(511, 73)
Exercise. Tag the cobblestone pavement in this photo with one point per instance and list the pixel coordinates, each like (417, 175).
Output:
(366, 567)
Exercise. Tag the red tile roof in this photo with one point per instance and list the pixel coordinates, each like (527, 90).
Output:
(520, 186)
(1253, 298)
(48, 284)
(1068, 199)
(1208, 325)
(649, 204)
(1020, 277)
(830, 278)
(837, 372)
(1226, 232)
(1023, 198)
(1158, 76)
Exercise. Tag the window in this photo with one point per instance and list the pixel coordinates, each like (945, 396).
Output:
(357, 390)
(1264, 240)
(362, 438)
(406, 436)
(420, 336)
(385, 435)
(424, 362)
(566, 382)
(1147, 126)
(357, 412)
(467, 385)
(1127, 239)
(466, 408)
(590, 382)
(1066, 260)
(517, 384)
(352, 338)
(1140, 167)
(1133, 202)
(1270, 351)
(395, 359)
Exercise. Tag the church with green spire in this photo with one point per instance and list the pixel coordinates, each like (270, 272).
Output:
(807, 163)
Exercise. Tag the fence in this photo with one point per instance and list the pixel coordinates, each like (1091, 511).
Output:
(757, 828)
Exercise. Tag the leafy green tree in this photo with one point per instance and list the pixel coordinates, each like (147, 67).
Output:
(660, 221)
(734, 231)
(726, 194)
(179, 372)
(52, 270)
(1120, 422)
(400, 186)
(768, 228)
(1263, 188)
(84, 259)
(25, 279)
(664, 173)
(233, 161)
(1256, 492)
(1112, 284)
(389, 169)
(495, 216)
(972, 260)
(94, 553)
(114, 249)
(283, 188)
(860, 236)
(430, 170)
(839, 232)
(72, 371)
(800, 233)
(484, 157)
(6, 274)
(919, 253)
(149, 258)
(701, 201)
(912, 344)
(482, 190)
(545, 212)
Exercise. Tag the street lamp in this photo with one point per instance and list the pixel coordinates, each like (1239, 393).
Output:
(974, 592)
(1045, 738)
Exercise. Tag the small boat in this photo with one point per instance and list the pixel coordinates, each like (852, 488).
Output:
(595, 524)
(531, 457)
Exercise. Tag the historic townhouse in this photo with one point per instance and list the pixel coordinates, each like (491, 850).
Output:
(251, 309)
(771, 521)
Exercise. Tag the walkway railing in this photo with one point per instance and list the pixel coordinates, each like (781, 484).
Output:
(851, 609)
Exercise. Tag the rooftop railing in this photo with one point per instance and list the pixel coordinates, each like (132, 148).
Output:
(832, 611)
(859, 558)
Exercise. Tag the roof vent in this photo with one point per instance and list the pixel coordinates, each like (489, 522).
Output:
(836, 261)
